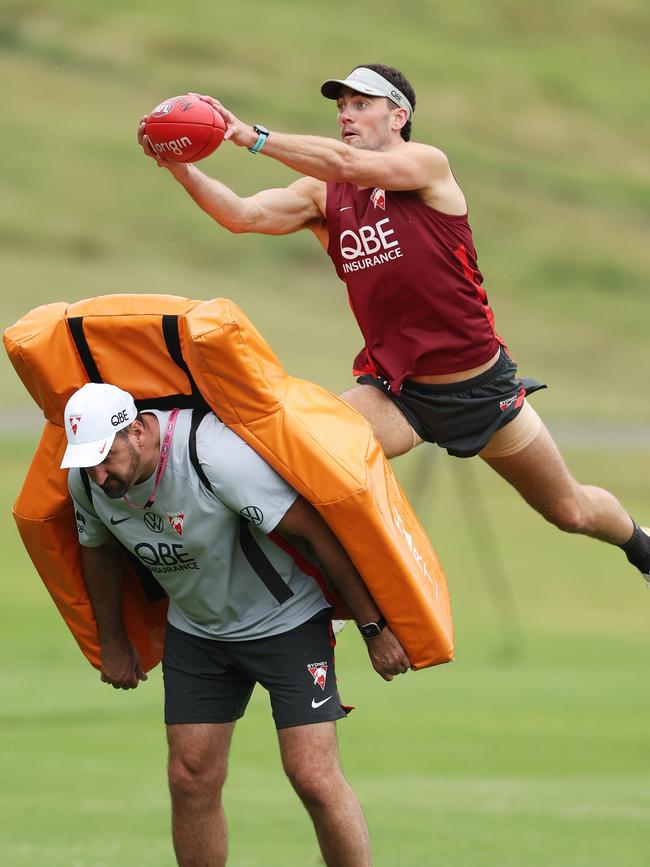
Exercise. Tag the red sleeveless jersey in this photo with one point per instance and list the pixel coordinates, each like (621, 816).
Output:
(413, 283)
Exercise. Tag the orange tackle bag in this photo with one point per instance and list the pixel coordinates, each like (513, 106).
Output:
(169, 351)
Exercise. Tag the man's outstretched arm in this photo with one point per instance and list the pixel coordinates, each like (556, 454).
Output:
(408, 166)
(270, 212)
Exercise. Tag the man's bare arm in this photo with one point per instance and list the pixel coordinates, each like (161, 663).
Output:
(410, 166)
(269, 212)
(102, 571)
(280, 211)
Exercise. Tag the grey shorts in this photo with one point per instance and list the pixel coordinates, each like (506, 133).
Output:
(211, 681)
(461, 416)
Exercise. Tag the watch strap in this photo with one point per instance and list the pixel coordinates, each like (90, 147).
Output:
(262, 135)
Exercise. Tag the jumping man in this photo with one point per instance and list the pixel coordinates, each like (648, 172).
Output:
(393, 219)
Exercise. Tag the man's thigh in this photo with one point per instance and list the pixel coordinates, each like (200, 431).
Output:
(390, 427)
(310, 749)
(537, 471)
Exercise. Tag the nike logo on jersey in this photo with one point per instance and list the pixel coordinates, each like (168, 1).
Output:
(120, 520)
(346, 208)
(316, 704)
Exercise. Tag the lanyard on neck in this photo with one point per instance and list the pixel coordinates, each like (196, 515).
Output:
(162, 461)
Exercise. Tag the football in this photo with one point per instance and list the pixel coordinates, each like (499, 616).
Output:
(184, 129)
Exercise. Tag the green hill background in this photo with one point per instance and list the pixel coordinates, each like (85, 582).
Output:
(542, 110)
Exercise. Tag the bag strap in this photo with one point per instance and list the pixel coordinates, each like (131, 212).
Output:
(86, 483)
(257, 559)
(197, 417)
(76, 326)
(172, 343)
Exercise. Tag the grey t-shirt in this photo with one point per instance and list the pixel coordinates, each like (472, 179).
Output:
(225, 577)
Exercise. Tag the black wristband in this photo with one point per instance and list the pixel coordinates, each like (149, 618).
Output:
(372, 629)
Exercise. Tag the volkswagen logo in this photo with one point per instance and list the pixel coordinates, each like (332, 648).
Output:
(252, 514)
(153, 522)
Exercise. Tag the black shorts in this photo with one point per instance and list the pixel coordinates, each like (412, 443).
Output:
(461, 416)
(211, 681)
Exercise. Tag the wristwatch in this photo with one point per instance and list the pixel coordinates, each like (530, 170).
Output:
(370, 630)
(262, 135)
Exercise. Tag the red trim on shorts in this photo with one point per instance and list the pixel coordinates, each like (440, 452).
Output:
(520, 397)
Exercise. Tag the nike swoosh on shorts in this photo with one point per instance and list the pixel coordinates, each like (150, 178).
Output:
(316, 704)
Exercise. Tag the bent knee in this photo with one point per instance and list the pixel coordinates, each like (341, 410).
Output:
(567, 516)
(188, 780)
(314, 786)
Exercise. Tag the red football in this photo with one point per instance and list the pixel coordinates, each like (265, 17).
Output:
(184, 129)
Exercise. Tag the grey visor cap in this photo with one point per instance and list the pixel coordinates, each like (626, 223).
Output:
(366, 81)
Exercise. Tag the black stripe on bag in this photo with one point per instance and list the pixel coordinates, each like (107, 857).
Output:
(264, 569)
(169, 402)
(76, 326)
(197, 417)
(173, 342)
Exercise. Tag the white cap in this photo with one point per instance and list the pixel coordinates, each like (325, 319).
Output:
(93, 415)
(364, 80)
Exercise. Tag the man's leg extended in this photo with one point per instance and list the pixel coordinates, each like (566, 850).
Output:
(540, 475)
(311, 760)
(198, 763)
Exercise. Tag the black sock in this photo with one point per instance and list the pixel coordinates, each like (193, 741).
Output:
(637, 549)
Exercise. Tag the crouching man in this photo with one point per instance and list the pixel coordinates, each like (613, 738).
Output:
(214, 524)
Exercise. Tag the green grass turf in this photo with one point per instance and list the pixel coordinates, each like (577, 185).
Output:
(531, 748)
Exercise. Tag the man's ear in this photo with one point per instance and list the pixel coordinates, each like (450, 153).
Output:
(138, 429)
(399, 118)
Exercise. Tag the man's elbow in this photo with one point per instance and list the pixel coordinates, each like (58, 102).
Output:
(239, 228)
(239, 225)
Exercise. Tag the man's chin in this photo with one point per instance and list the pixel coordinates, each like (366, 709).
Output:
(115, 493)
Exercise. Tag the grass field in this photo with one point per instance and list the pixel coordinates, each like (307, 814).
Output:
(530, 750)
